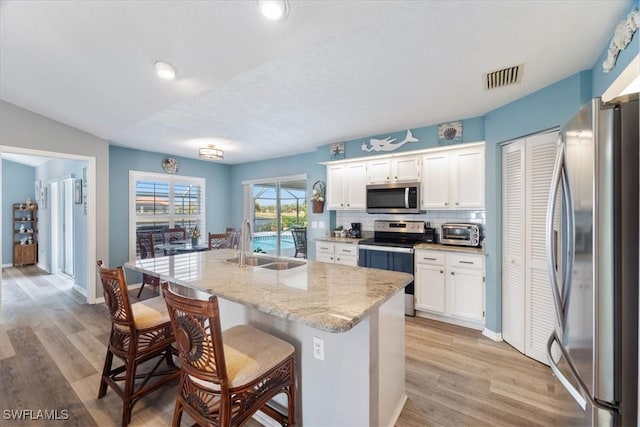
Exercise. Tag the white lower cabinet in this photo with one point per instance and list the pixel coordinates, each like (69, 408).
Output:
(451, 286)
(337, 253)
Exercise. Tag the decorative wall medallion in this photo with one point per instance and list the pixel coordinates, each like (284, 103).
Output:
(450, 133)
(621, 38)
(337, 151)
(170, 165)
(388, 144)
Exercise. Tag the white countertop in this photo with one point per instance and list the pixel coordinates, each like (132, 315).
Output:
(325, 296)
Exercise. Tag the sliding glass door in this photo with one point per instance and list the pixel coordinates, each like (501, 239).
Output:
(279, 207)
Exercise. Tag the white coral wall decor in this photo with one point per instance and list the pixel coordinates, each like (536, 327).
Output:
(621, 38)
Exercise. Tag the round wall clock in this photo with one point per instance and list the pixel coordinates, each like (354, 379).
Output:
(170, 165)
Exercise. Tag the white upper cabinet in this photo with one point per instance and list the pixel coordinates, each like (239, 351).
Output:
(453, 179)
(435, 181)
(397, 169)
(346, 186)
(468, 182)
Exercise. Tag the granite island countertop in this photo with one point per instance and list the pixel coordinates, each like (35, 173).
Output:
(329, 297)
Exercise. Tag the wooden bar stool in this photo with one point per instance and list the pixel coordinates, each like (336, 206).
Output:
(139, 333)
(147, 249)
(218, 241)
(227, 376)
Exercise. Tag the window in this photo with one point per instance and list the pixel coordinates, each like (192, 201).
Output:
(158, 202)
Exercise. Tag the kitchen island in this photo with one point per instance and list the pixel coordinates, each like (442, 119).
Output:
(357, 313)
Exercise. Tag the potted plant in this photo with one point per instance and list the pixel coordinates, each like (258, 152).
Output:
(317, 195)
(195, 235)
(339, 232)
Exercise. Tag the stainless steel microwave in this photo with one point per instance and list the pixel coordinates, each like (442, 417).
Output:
(394, 198)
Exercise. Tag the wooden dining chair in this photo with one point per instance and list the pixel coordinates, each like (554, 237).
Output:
(172, 236)
(141, 333)
(147, 250)
(300, 241)
(227, 376)
(233, 237)
(218, 241)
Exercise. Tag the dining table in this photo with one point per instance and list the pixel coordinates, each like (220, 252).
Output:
(181, 247)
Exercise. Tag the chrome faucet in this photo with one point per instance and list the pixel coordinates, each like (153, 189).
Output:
(245, 239)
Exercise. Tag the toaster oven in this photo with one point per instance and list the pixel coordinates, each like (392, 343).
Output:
(462, 234)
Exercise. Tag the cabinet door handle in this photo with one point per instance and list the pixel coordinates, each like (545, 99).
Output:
(337, 259)
(453, 274)
(387, 177)
(427, 258)
(395, 177)
(466, 262)
(348, 204)
(446, 203)
(441, 271)
(457, 203)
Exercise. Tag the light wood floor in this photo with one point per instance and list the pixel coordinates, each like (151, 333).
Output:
(52, 347)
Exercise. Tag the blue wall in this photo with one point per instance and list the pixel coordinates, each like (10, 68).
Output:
(472, 131)
(547, 108)
(122, 160)
(17, 184)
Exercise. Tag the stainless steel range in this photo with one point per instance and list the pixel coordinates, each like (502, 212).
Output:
(391, 248)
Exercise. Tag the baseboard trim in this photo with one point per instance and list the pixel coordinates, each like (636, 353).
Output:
(495, 336)
(398, 410)
(7, 265)
(42, 267)
(452, 320)
(82, 291)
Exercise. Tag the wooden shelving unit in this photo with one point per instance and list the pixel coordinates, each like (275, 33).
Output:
(25, 234)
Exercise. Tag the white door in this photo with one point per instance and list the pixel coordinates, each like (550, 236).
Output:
(62, 254)
(527, 306)
(513, 244)
(539, 313)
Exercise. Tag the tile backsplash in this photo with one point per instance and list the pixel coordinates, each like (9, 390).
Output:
(436, 218)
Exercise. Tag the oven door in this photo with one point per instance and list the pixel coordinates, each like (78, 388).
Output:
(392, 259)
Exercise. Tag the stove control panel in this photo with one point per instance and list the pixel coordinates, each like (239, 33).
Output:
(399, 226)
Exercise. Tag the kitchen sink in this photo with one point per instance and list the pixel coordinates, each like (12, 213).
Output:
(254, 261)
(283, 265)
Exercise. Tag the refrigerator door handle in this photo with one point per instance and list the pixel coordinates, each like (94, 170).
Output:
(569, 259)
(551, 262)
(582, 396)
(577, 395)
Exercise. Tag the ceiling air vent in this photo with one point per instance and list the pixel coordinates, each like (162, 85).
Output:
(504, 77)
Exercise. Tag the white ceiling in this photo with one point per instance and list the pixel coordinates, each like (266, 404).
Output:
(332, 71)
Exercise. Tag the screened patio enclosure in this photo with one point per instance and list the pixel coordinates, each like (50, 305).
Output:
(278, 207)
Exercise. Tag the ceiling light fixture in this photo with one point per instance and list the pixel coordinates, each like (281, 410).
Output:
(275, 10)
(211, 153)
(165, 70)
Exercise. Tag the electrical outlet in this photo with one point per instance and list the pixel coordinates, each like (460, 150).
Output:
(318, 348)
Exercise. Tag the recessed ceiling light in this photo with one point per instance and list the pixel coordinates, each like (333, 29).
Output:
(165, 70)
(275, 10)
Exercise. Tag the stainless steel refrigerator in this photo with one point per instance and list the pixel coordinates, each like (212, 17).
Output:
(592, 253)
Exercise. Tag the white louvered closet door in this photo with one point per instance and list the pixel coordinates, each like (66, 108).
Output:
(539, 311)
(513, 244)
